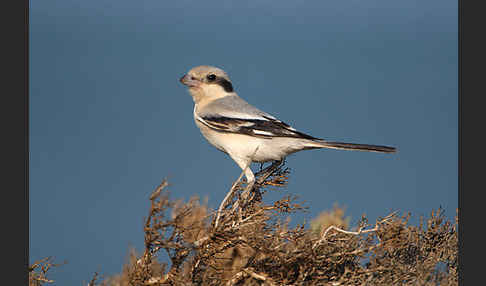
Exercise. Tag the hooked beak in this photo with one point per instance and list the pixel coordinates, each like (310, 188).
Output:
(189, 81)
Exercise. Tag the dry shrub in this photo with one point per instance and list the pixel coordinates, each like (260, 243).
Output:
(325, 219)
(249, 242)
(38, 271)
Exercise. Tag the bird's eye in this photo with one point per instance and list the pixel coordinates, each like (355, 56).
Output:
(211, 77)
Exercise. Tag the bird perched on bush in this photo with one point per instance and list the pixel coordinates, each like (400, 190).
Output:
(244, 132)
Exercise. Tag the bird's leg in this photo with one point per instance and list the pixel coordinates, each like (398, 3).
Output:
(267, 172)
(250, 177)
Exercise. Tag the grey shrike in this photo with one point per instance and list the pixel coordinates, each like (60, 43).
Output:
(244, 132)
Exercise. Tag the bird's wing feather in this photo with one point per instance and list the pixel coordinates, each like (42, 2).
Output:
(265, 127)
(233, 114)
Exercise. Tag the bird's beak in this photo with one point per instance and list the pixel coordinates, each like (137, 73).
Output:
(189, 81)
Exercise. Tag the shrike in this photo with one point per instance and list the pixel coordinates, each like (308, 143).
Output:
(244, 132)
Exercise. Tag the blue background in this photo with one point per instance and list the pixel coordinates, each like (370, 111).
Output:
(109, 119)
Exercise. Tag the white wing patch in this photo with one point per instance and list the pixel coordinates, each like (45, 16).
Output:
(264, 133)
(240, 115)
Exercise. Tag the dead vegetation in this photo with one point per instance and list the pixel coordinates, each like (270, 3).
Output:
(249, 242)
(38, 271)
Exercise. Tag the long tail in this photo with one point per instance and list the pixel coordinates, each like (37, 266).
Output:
(353, 146)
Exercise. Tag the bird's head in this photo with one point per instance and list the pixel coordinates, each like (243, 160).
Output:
(207, 83)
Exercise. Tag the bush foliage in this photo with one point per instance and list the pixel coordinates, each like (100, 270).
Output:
(249, 242)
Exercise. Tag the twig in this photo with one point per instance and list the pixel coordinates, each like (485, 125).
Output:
(147, 256)
(255, 275)
(237, 277)
(93, 280)
(45, 264)
(360, 231)
(39, 262)
(159, 189)
(42, 279)
(245, 273)
(264, 174)
(230, 194)
(268, 171)
(200, 241)
(157, 280)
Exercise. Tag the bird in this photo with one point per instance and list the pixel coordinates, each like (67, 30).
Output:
(243, 131)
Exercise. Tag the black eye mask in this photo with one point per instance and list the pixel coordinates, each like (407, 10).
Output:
(227, 86)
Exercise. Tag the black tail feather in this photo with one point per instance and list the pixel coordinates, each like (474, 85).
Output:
(358, 147)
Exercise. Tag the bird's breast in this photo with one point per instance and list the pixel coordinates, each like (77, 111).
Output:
(212, 136)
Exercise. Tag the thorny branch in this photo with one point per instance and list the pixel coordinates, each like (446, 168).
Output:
(248, 242)
(38, 271)
(361, 229)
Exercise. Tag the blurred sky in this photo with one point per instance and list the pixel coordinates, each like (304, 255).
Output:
(109, 118)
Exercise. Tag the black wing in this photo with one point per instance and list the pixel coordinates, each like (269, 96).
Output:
(266, 127)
